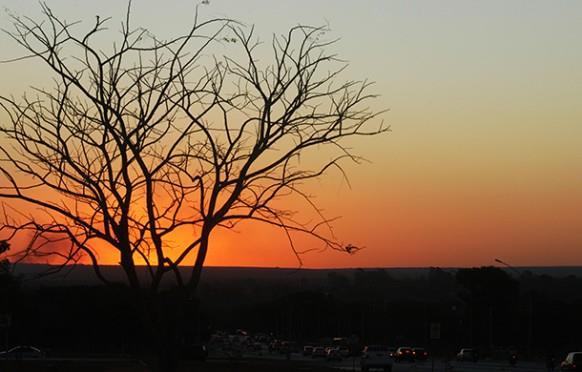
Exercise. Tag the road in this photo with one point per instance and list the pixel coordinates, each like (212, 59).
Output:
(266, 362)
(439, 366)
(353, 364)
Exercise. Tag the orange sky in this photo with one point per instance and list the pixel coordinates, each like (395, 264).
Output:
(484, 159)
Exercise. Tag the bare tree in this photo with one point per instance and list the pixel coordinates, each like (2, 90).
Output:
(153, 139)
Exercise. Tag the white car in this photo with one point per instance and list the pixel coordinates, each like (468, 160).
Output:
(573, 362)
(467, 354)
(376, 357)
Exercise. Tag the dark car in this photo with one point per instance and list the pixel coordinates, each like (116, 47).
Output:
(573, 362)
(376, 357)
(403, 354)
(419, 353)
(287, 347)
(333, 353)
(345, 351)
(318, 352)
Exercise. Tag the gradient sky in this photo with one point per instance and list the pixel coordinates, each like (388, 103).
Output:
(484, 159)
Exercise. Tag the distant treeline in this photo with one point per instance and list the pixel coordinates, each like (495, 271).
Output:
(487, 307)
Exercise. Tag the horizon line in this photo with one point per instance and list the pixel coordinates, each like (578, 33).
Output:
(318, 268)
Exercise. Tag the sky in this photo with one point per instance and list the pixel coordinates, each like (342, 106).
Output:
(484, 157)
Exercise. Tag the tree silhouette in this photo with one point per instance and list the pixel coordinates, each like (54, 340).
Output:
(490, 294)
(153, 139)
(4, 246)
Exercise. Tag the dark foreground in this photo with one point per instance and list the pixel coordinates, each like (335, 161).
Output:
(76, 365)
(253, 365)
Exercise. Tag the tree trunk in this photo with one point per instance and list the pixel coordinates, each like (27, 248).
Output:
(165, 315)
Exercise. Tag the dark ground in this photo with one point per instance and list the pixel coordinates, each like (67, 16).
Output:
(134, 366)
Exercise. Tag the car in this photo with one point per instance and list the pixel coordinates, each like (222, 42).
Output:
(573, 362)
(287, 347)
(274, 346)
(376, 356)
(23, 352)
(333, 353)
(468, 355)
(259, 347)
(403, 353)
(307, 350)
(419, 353)
(318, 352)
(344, 351)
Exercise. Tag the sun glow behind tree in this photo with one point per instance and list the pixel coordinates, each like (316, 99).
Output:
(147, 148)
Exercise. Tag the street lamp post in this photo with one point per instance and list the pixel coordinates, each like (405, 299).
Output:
(530, 330)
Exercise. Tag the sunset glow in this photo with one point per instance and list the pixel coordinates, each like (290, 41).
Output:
(484, 156)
